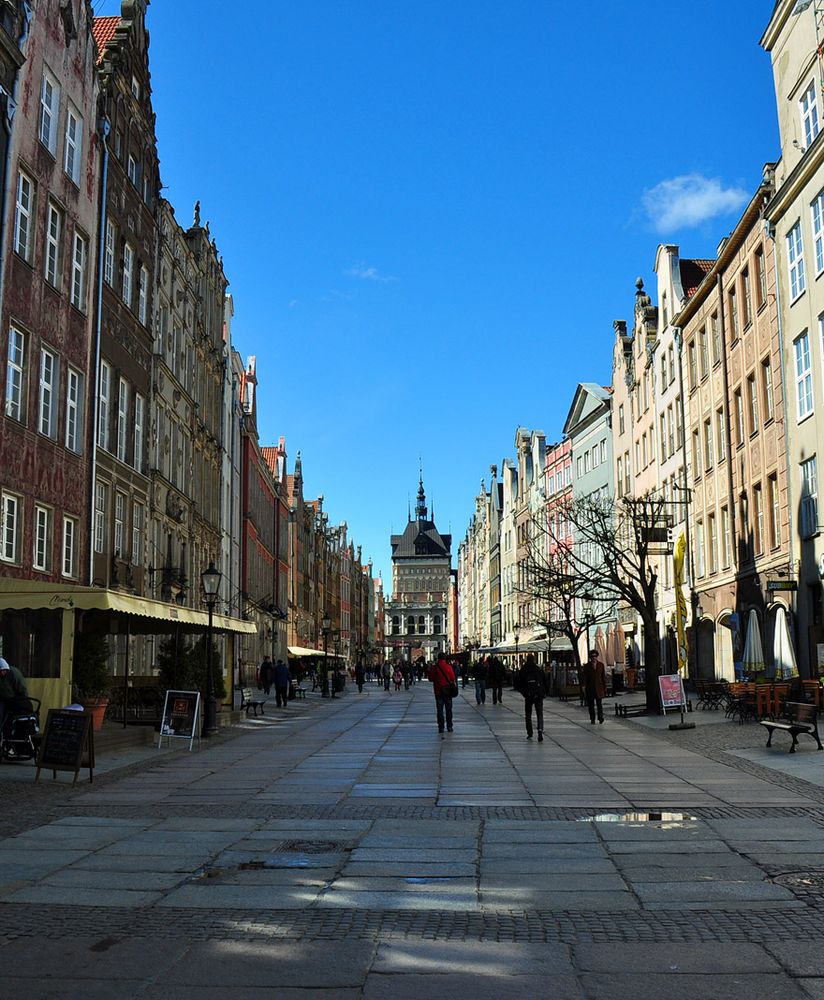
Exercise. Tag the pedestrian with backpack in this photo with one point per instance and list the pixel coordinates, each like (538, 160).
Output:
(532, 685)
(445, 687)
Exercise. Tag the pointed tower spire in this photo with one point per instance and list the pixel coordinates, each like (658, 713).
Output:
(420, 506)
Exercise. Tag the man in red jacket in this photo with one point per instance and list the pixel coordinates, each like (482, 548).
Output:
(443, 677)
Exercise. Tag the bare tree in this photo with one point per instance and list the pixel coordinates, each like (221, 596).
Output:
(612, 558)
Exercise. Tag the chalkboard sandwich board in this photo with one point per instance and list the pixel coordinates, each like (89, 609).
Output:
(67, 743)
(181, 713)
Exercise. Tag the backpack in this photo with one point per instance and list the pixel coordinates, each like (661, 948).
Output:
(532, 687)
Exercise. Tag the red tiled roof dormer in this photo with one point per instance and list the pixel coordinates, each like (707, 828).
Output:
(693, 272)
(103, 29)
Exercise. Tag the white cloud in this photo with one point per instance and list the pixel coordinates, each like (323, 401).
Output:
(368, 273)
(687, 201)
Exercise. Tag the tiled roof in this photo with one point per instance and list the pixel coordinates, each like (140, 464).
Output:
(103, 29)
(693, 273)
(270, 457)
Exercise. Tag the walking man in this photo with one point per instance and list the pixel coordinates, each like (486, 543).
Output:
(595, 686)
(282, 681)
(481, 670)
(265, 672)
(497, 672)
(359, 675)
(385, 673)
(532, 685)
(443, 678)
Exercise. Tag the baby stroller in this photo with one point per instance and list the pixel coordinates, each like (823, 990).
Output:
(20, 733)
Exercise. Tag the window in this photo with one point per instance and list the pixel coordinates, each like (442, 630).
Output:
(702, 352)
(679, 427)
(692, 365)
(620, 477)
(725, 537)
(708, 450)
(133, 170)
(644, 450)
(752, 403)
(663, 426)
(138, 431)
(135, 88)
(626, 472)
(142, 295)
(817, 212)
(712, 531)
(760, 278)
(54, 242)
(122, 417)
(808, 109)
(101, 503)
(795, 260)
(47, 413)
(23, 212)
(758, 504)
(621, 421)
(803, 377)
(732, 304)
(128, 270)
(69, 536)
(671, 363)
(42, 535)
(103, 413)
(80, 258)
(587, 461)
(10, 510)
(74, 411)
(108, 260)
(603, 447)
(119, 515)
(670, 431)
(747, 297)
(809, 498)
(696, 454)
(663, 372)
(767, 389)
(73, 152)
(775, 511)
(715, 337)
(700, 568)
(137, 534)
(49, 112)
(580, 467)
(739, 418)
(15, 376)
(720, 434)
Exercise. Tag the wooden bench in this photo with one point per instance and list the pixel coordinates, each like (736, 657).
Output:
(796, 719)
(247, 701)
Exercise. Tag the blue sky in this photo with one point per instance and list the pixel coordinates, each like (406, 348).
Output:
(431, 213)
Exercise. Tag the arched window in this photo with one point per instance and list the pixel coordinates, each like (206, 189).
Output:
(436, 624)
(396, 625)
(410, 626)
(421, 625)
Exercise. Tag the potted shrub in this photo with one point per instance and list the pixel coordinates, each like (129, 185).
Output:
(90, 674)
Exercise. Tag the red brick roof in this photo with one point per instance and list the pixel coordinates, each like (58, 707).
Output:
(270, 457)
(693, 273)
(103, 29)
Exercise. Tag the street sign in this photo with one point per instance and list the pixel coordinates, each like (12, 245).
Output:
(775, 585)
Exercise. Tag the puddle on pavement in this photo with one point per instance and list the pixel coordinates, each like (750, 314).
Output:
(639, 817)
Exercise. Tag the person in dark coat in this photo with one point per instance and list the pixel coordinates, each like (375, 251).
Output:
(442, 676)
(282, 680)
(481, 674)
(497, 675)
(532, 685)
(359, 675)
(594, 677)
(265, 674)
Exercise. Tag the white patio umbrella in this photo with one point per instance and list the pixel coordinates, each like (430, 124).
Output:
(601, 644)
(620, 643)
(610, 647)
(783, 653)
(753, 647)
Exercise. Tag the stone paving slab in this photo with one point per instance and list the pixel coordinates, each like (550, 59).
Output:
(488, 987)
(653, 986)
(712, 958)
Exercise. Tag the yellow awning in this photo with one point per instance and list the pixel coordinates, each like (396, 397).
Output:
(16, 595)
(298, 651)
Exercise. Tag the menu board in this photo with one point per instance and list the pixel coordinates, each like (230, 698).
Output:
(671, 687)
(67, 743)
(181, 713)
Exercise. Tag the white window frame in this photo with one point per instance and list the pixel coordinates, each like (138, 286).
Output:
(143, 295)
(69, 568)
(119, 523)
(40, 539)
(74, 410)
(139, 412)
(80, 261)
(73, 148)
(137, 533)
(16, 376)
(23, 215)
(128, 274)
(104, 401)
(49, 111)
(803, 377)
(133, 169)
(808, 525)
(795, 262)
(47, 402)
(101, 503)
(817, 216)
(54, 245)
(109, 256)
(122, 417)
(725, 537)
(11, 507)
(808, 110)
(774, 501)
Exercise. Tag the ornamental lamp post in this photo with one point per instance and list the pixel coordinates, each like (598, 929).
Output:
(210, 580)
(517, 632)
(588, 616)
(326, 627)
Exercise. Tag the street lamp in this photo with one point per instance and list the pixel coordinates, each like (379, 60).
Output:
(588, 617)
(517, 631)
(326, 627)
(210, 579)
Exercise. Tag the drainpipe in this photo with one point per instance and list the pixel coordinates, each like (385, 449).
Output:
(104, 129)
(722, 318)
(678, 336)
(11, 107)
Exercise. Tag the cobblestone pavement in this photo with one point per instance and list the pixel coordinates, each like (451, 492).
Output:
(344, 849)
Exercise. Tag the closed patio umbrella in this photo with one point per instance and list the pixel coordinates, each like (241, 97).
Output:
(620, 643)
(601, 644)
(753, 647)
(783, 653)
(610, 647)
